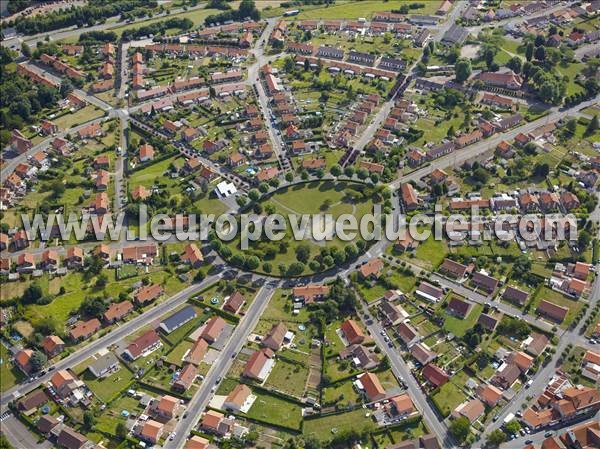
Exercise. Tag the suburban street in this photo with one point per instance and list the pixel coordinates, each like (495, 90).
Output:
(200, 400)
(20, 436)
(458, 157)
(114, 336)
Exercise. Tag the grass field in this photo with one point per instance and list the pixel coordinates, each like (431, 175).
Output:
(273, 410)
(9, 374)
(558, 298)
(448, 398)
(83, 115)
(107, 388)
(459, 326)
(288, 377)
(324, 428)
(323, 198)
(356, 9)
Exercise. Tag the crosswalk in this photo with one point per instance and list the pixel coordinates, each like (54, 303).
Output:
(5, 415)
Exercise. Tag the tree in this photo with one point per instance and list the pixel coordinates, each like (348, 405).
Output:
(496, 438)
(32, 294)
(57, 188)
(252, 262)
(529, 51)
(515, 64)
(513, 427)
(303, 252)
(460, 428)
(26, 50)
(121, 430)
(38, 360)
(66, 87)
(253, 194)
(592, 126)
(336, 170)
(541, 170)
(463, 70)
(540, 53)
(88, 419)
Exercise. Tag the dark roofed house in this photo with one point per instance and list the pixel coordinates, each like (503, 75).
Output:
(396, 65)
(435, 375)
(553, 311)
(488, 322)
(485, 282)
(178, 319)
(234, 303)
(429, 292)
(362, 58)
(30, 403)
(514, 295)
(46, 423)
(69, 439)
(274, 339)
(536, 344)
(330, 52)
(453, 269)
(455, 35)
(458, 307)
(505, 378)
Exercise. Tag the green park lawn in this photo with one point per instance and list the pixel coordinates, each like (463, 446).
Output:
(354, 10)
(273, 410)
(447, 398)
(557, 298)
(326, 427)
(288, 377)
(109, 387)
(459, 326)
(9, 374)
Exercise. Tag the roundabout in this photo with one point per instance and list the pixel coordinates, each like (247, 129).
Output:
(302, 253)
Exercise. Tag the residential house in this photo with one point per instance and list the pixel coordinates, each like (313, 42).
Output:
(435, 375)
(186, 378)
(117, 311)
(148, 293)
(552, 311)
(458, 307)
(213, 328)
(53, 345)
(104, 365)
(352, 332)
(369, 385)
(144, 344)
(84, 329)
(234, 303)
(177, 319)
(372, 269)
(453, 269)
(260, 364)
(275, 337)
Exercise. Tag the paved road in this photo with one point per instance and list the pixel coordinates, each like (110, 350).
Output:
(115, 335)
(538, 437)
(20, 436)
(263, 99)
(221, 366)
(402, 371)
(10, 164)
(458, 157)
(474, 30)
(542, 377)
(75, 31)
(46, 72)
